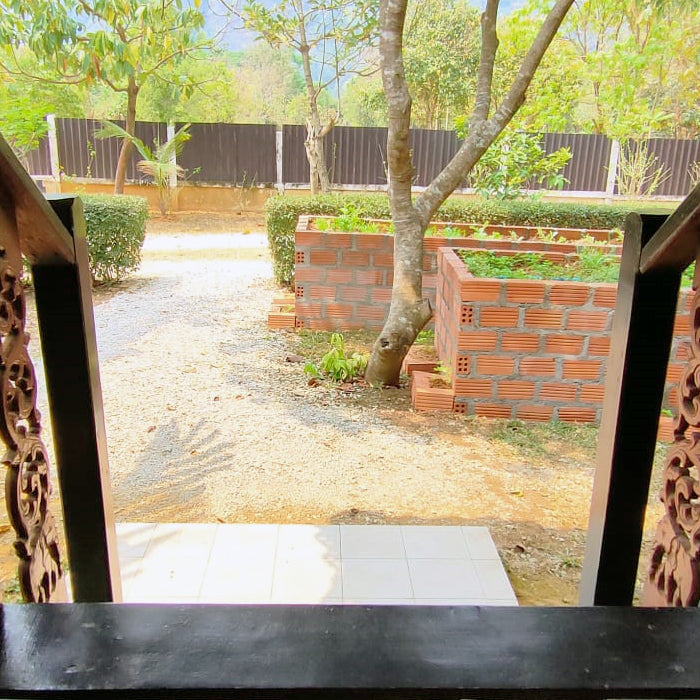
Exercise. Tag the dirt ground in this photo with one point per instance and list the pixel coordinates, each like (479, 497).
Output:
(529, 484)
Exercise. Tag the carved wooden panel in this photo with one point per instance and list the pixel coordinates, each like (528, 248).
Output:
(27, 484)
(674, 572)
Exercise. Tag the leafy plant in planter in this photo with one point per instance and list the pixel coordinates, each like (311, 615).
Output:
(336, 365)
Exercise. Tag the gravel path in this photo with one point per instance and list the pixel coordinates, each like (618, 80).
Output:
(206, 421)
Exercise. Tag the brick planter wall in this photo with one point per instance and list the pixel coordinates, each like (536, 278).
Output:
(531, 349)
(343, 280)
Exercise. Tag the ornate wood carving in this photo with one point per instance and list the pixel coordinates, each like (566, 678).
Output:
(674, 572)
(27, 484)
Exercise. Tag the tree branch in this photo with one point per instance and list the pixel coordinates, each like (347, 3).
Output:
(482, 134)
(392, 17)
(489, 46)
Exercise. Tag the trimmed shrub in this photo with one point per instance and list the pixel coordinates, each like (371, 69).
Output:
(282, 213)
(116, 228)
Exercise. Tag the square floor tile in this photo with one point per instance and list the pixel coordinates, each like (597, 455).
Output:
(238, 580)
(444, 578)
(243, 542)
(371, 542)
(183, 539)
(434, 542)
(133, 538)
(169, 575)
(307, 580)
(308, 542)
(479, 542)
(493, 579)
(378, 579)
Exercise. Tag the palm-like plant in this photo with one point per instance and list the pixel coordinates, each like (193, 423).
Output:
(158, 162)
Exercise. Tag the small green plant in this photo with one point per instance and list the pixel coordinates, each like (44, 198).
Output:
(638, 171)
(667, 412)
(349, 220)
(551, 236)
(425, 337)
(444, 372)
(452, 232)
(591, 266)
(336, 365)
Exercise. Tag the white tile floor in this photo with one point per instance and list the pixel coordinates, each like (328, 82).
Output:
(201, 563)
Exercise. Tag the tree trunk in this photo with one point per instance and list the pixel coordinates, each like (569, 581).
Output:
(408, 312)
(315, 132)
(127, 145)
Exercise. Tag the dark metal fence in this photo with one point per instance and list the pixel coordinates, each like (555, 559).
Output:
(246, 153)
(230, 153)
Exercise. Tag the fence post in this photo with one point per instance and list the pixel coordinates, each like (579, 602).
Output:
(279, 152)
(53, 147)
(170, 134)
(612, 168)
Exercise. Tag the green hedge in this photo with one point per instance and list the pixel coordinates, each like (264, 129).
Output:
(282, 213)
(116, 227)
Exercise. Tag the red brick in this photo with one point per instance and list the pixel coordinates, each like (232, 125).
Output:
(558, 392)
(681, 325)
(543, 318)
(515, 389)
(339, 310)
(477, 340)
(572, 414)
(525, 292)
(581, 369)
(322, 324)
(466, 315)
(493, 410)
(587, 320)
(593, 393)
(309, 238)
(382, 259)
(605, 297)
(498, 316)
(374, 241)
(369, 277)
(429, 282)
(462, 364)
(520, 342)
(305, 309)
(534, 412)
(353, 293)
(355, 258)
(674, 372)
(319, 292)
(308, 274)
(563, 344)
(480, 290)
(375, 312)
(339, 240)
(429, 263)
(324, 257)
(495, 364)
(473, 387)
(338, 276)
(570, 294)
(381, 295)
(599, 346)
(538, 366)
(281, 320)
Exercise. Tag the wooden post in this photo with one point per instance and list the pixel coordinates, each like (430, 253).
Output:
(67, 327)
(636, 373)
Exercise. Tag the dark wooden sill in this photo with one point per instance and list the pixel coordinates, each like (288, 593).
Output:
(212, 651)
